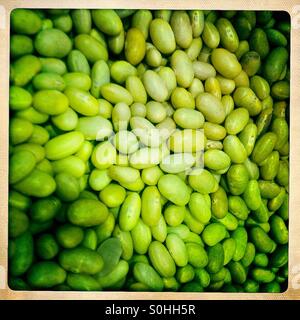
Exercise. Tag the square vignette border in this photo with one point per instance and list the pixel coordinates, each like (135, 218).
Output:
(292, 7)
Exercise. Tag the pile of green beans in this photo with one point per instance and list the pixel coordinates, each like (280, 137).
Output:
(149, 150)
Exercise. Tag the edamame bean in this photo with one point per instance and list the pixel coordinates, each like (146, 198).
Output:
(82, 20)
(39, 135)
(82, 282)
(78, 80)
(19, 98)
(141, 237)
(159, 232)
(22, 256)
(188, 119)
(155, 86)
(115, 276)
(275, 63)
(279, 229)
(194, 49)
(24, 69)
(174, 215)
(53, 43)
(214, 131)
(187, 140)
(115, 94)
(123, 174)
(196, 87)
(177, 250)
(228, 35)
(46, 275)
(203, 70)
(135, 46)
(193, 224)
(151, 206)
(135, 86)
(252, 195)
(264, 147)
(225, 63)
(146, 274)
(238, 207)
(72, 165)
(47, 247)
(87, 212)
(32, 25)
(210, 35)
(180, 24)
(18, 222)
(69, 236)
(215, 258)
(45, 209)
(241, 237)
(107, 21)
(63, 145)
(237, 179)
(236, 120)
(81, 260)
(110, 250)
(280, 128)
(183, 68)
(92, 49)
(141, 20)
(229, 248)
(219, 203)
(263, 275)
(181, 98)
(211, 107)
(234, 149)
(112, 195)
(77, 62)
(251, 62)
(162, 36)
(49, 81)
(213, 234)
(20, 130)
(67, 187)
(260, 86)
(197, 201)
(248, 137)
(19, 201)
(261, 240)
(51, 102)
(37, 184)
(202, 181)
(105, 230)
(174, 189)
(244, 97)
(161, 259)
(21, 164)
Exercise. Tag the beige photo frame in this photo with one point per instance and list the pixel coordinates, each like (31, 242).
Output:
(290, 6)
